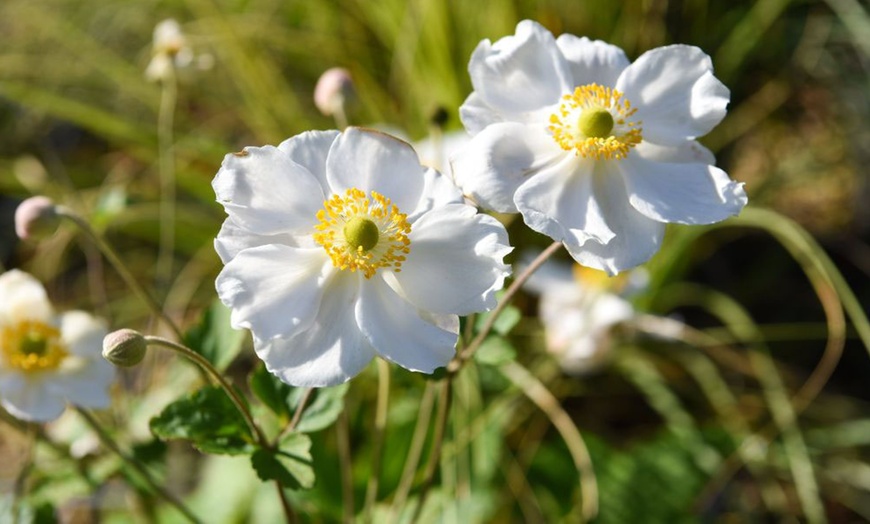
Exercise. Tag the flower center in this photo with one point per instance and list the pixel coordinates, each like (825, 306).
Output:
(362, 232)
(595, 122)
(32, 346)
(597, 280)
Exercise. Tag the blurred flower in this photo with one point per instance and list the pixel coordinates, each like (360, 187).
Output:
(35, 218)
(436, 150)
(333, 91)
(47, 359)
(579, 307)
(169, 52)
(593, 151)
(341, 246)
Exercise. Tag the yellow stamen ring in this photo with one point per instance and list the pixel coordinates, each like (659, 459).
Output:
(595, 122)
(363, 233)
(32, 346)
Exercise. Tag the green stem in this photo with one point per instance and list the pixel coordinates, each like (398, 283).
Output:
(415, 451)
(437, 441)
(165, 118)
(379, 434)
(107, 441)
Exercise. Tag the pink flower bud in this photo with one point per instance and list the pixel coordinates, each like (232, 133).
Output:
(36, 218)
(334, 88)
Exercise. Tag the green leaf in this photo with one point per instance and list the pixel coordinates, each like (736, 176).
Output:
(209, 419)
(275, 394)
(495, 351)
(323, 410)
(505, 322)
(290, 465)
(214, 338)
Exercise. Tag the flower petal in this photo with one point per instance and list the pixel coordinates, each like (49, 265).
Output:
(559, 202)
(688, 151)
(675, 93)
(23, 298)
(27, 399)
(398, 333)
(439, 190)
(86, 383)
(274, 290)
(637, 238)
(232, 239)
(309, 150)
(592, 61)
(476, 114)
(373, 161)
(455, 264)
(268, 193)
(520, 73)
(331, 351)
(82, 333)
(682, 193)
(499, 160)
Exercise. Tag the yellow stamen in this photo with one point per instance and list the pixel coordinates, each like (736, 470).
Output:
(595, 122)
(32, 346)
(363, 233)
(598, 280)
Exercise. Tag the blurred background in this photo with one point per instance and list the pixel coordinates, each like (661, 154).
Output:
(81, 123)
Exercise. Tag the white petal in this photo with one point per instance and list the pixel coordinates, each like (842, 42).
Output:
(232, 239)
(551, 275)
(310, 150)
(373, 161)
(398, 333)
(86, 384)
(82, 333)
(520, 73)
(331, 351)
(268, 193)
(675, 93)
(592, 61)
(500, 159)
(455, 264)
(637, 238)
(27, 399)
(23, 298)
(688, 151)
(439, 191)
(476, 114)
(559, 202)
(274, 290)
(682, 193)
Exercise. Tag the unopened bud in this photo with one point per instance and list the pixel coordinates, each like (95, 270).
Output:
(334, 89)
(36, 218)
(125, 347)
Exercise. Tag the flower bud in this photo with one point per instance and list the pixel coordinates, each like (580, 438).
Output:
(124, 347)
(36, 218)
(334, 89)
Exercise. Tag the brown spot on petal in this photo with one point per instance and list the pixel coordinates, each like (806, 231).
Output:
(241, 153)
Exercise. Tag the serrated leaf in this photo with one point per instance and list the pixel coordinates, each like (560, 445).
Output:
(275, 394)
(495, 351)
(503, 324)
(214, 338)
(207, 418)
(290, 465)
(323, 410)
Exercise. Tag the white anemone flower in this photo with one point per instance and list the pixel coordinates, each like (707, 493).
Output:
(170, 51)
(579, 307)
(47, 359)
(592, 150)
(340, 247)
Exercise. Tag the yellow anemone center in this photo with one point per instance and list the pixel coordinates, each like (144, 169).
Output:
(364, 233)
(595, 122)
(595, 279)
(32, 346)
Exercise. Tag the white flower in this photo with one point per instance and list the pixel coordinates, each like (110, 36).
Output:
(578, 309)
(436, 150)
(341, 246)
(47, 359)
(169, 52)
(593, 151)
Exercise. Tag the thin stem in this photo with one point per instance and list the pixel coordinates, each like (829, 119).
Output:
(119, 266)
(457, 362)
(343, 441)
(379, 434)
(444, 400)
(415, 451)
(165, 119)
(297, 416)
(107, 441)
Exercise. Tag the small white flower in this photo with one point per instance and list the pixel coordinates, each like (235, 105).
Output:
(46, 359)
(594, 151)
(170, 51)
(578, 308)
(340, 246)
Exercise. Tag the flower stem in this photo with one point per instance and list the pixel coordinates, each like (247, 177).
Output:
(444, 401)
(343, 442)
(378, 445)
(119, 266)
(107, 441)
(165, 118)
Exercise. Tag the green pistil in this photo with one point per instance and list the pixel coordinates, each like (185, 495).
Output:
(361, 233)
(595, 122)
